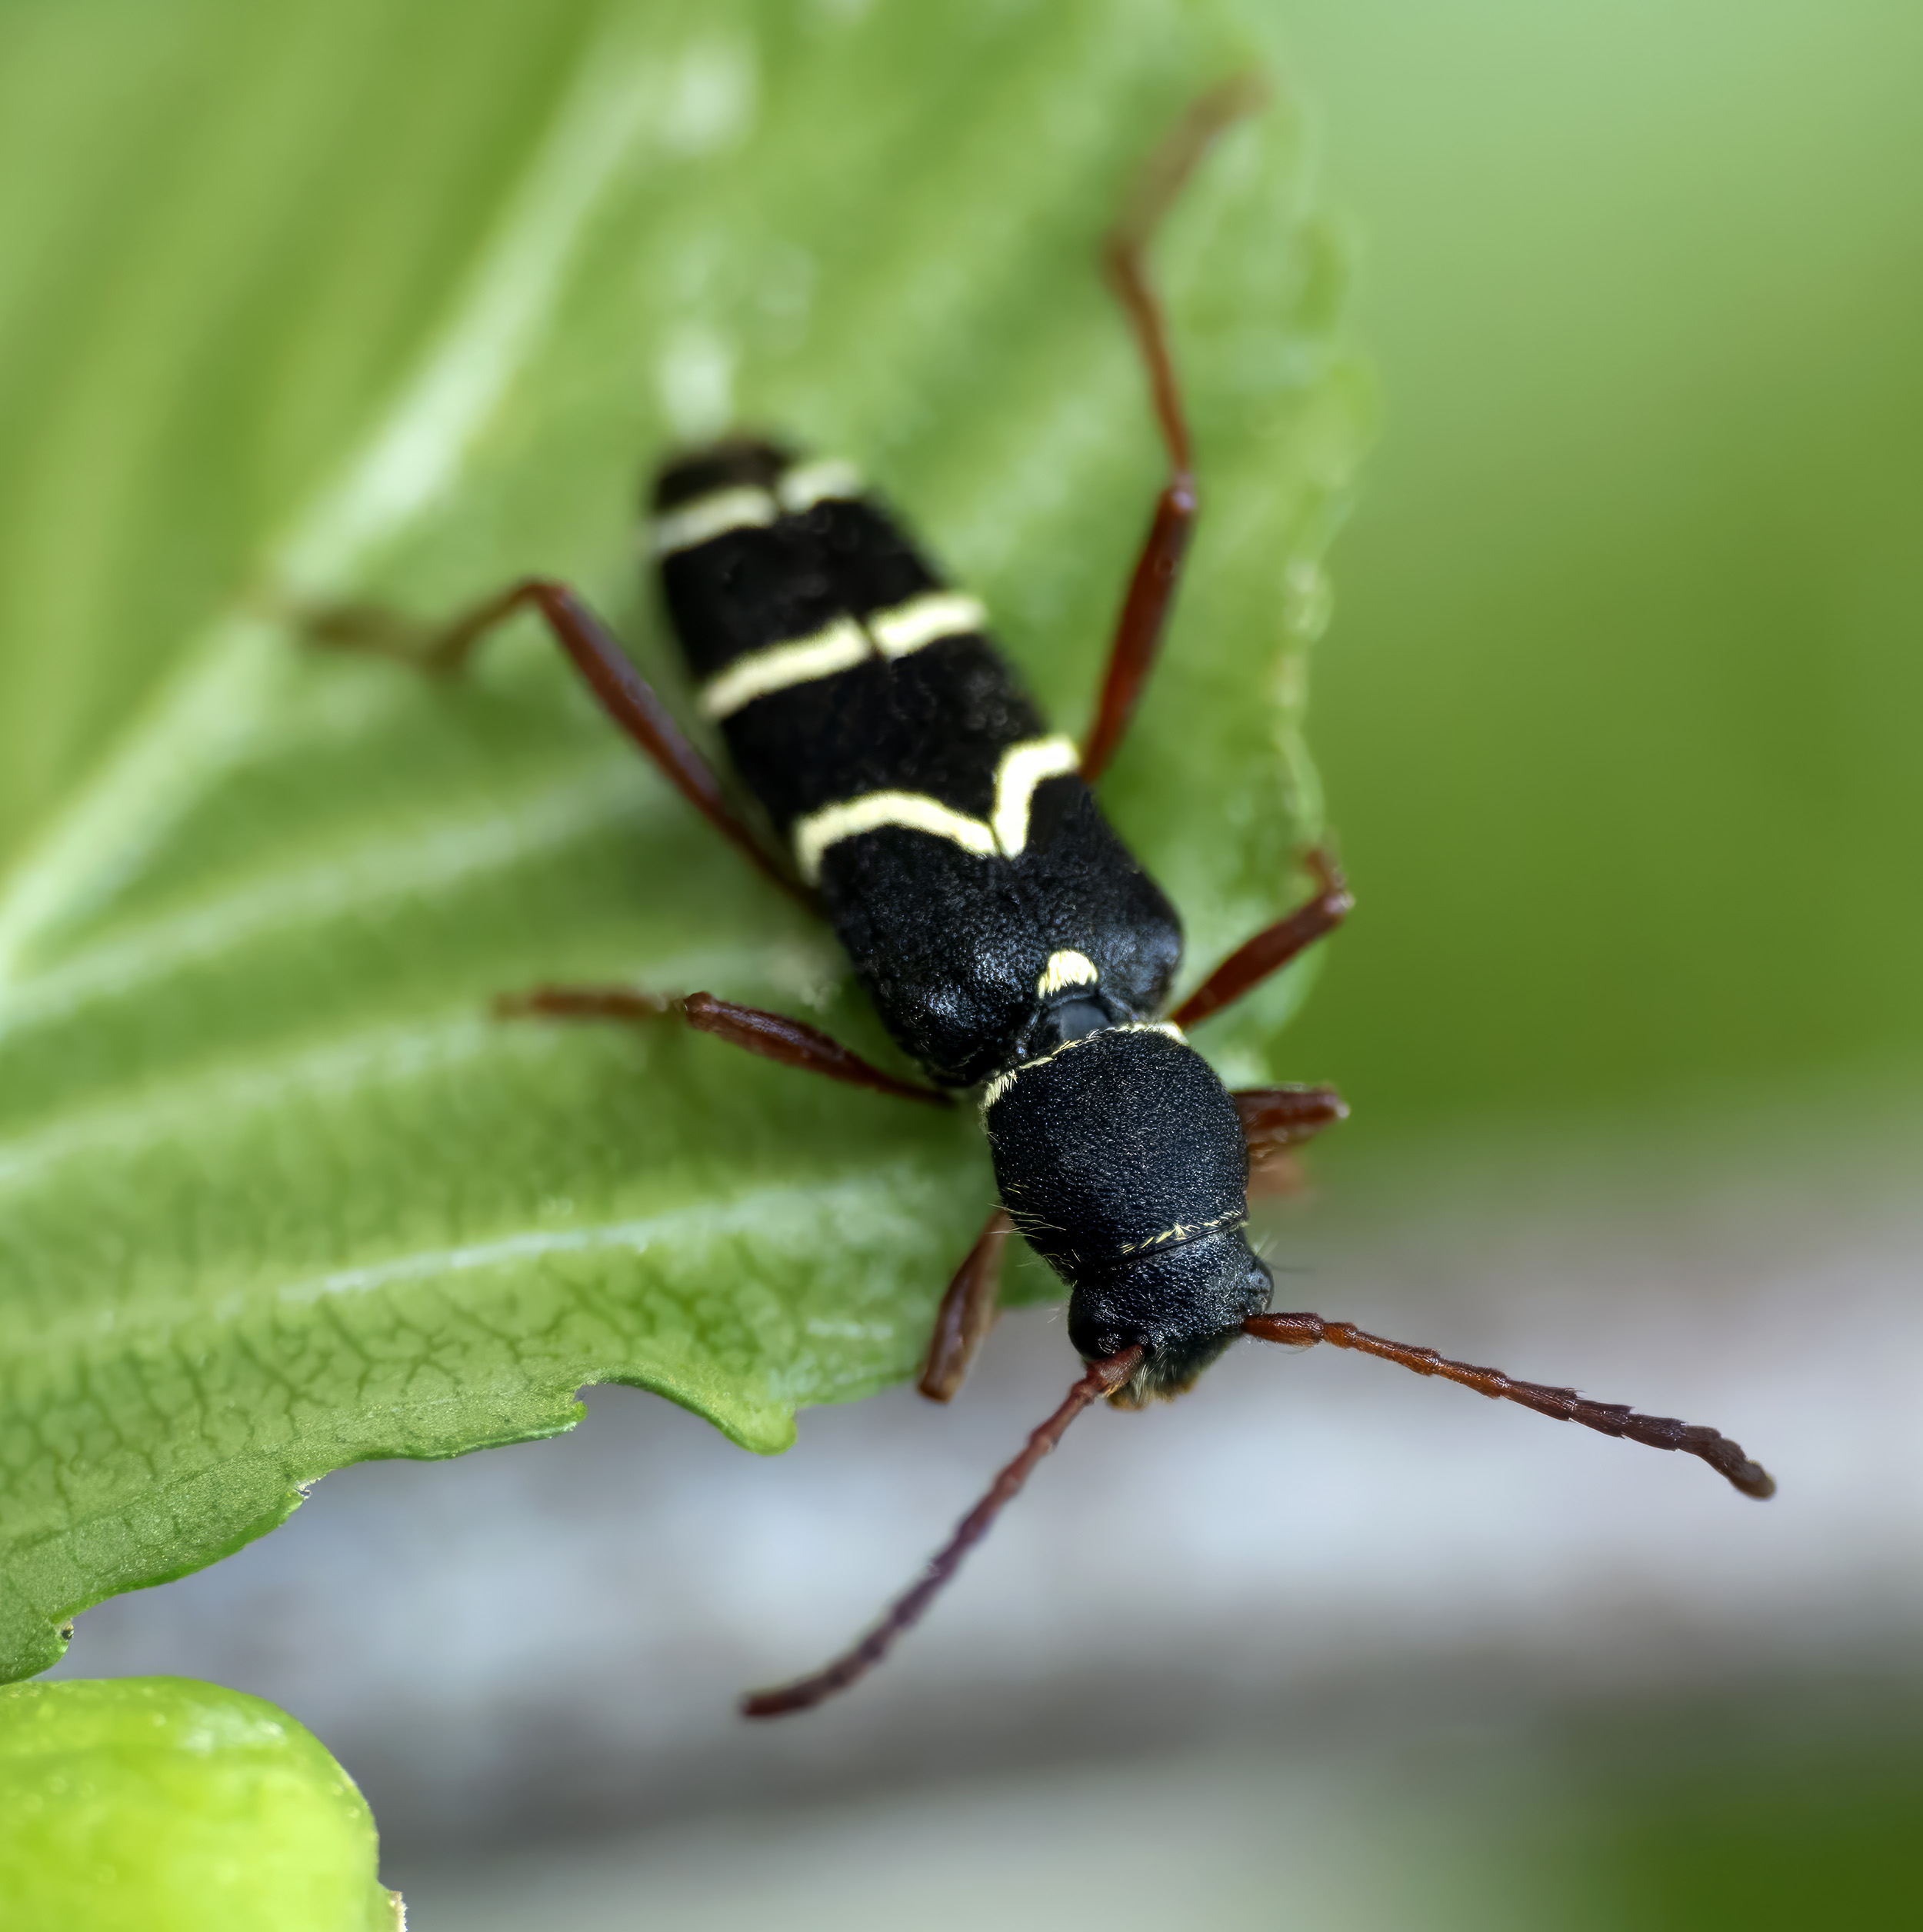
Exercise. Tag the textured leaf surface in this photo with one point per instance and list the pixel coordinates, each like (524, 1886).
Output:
(399, 302)
(158, 1804)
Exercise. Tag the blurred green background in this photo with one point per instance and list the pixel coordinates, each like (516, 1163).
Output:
(1619, 714)
(1617, 718)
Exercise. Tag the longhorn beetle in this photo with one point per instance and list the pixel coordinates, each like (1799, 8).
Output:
(1010, 942)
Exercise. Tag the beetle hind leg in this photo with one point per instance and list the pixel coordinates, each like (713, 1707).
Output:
(1151, 594)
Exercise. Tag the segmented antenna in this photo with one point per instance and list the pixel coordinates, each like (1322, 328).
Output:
(906, 1610)
(1564, 1404)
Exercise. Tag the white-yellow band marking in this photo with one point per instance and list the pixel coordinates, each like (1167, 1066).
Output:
(915, 810)
(1023, 766)
(841, 646)
(1066, 969)
(748, 506)
(828, 479)
(743, 506)
(925, 620)
(1002, 1082)
(836, 646)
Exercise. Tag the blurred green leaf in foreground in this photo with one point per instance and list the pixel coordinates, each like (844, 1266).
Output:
(157, 1804)
(360, 300)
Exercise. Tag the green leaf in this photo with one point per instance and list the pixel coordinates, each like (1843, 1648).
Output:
(276, 1195)
(145, 1804)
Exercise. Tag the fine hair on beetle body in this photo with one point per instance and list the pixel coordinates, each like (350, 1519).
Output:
(1011, 943)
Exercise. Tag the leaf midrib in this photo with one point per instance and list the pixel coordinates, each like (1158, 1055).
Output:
(160, 765)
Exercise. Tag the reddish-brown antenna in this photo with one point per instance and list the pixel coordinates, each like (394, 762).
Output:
(1564, 1404)
(1104, 1376)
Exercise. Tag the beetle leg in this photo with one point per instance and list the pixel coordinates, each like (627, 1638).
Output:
(1158, 572)
(1284, 1117)
(1275, 946)
(790, 1042)
(624, 693)
(967, 1313)
(1275, 1120)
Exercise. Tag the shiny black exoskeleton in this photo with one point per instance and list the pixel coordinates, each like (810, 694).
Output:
(1008, 938)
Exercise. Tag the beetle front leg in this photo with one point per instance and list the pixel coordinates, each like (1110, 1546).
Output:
(968, 1312)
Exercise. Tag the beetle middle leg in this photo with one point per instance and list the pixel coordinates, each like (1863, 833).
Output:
(1275, 1121)
(623, 693)
(772, 1036)
(1275, 946)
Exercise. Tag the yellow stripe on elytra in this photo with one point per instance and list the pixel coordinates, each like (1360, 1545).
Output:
(840, 646)
(743, 506)
(837, 646)
(1022, 768)
(925, 620)
(827, 480)
(753, 506)
(873, 810)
